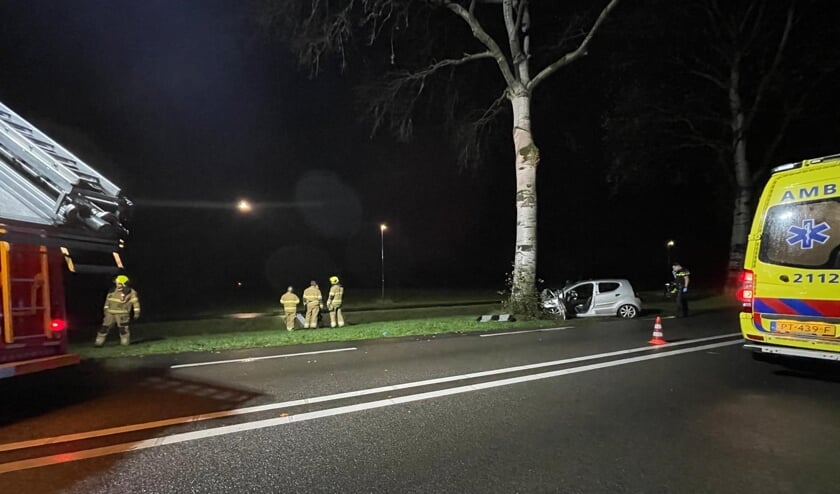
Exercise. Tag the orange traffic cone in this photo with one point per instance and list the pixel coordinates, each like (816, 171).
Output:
(657, 333)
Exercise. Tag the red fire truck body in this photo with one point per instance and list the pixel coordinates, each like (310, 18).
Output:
(54, 208)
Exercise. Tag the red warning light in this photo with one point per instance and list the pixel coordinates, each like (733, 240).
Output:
(58, 325)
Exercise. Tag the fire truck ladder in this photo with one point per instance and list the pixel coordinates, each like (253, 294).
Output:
(53, 181)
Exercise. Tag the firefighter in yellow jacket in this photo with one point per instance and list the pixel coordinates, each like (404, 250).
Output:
(312, 301)
(334, 302)
(290, 302)
(121, 305)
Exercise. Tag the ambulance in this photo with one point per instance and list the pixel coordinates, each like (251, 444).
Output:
(790, 286)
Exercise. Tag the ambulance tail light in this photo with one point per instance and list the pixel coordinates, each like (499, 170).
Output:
(58, 325)
(746, 290)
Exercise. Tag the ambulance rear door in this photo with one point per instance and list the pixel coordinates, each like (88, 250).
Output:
(797, 274)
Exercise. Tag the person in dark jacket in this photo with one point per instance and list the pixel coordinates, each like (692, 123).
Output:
(681, 278)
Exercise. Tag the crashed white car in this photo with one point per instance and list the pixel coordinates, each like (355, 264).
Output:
(592, 298)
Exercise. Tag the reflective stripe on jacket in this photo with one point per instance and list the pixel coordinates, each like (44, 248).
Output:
(121, 302)
(312, 295)
(336, 294)
(290, 302)
(680, 276)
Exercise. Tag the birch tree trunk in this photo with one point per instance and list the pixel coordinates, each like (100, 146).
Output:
(527, 159)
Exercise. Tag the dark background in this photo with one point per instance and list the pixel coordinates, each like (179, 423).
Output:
(188, 107)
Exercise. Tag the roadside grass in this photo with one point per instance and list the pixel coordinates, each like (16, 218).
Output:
(361, 300)
(276, 337)
(249, 331)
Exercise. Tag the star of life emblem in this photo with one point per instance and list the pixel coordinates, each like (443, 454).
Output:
(808, 233)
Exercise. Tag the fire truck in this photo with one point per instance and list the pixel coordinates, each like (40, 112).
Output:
(57, 214)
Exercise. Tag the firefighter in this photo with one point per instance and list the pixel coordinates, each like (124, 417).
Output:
(312, 302)
(681, 279)
(121, 305)
(290, 302)
(334, 302)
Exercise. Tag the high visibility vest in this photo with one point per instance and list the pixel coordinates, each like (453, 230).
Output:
(679, 277)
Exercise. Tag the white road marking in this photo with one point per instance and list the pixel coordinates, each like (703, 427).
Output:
(487, 335)
(254, 359)
(273, 422)
(34, 443)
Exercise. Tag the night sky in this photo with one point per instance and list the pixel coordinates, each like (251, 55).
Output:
(188, 107)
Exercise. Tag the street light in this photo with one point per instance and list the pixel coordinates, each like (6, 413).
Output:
(244, 206)
(669, 246)
(382, 228)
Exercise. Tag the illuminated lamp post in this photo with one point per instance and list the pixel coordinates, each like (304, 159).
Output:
(669, 246)
(244, 206)
(382, 228)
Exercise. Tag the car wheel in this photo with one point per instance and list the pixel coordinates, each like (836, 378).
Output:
(556, 312)
(628, 311)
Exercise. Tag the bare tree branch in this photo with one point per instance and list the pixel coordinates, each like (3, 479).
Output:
(714, 19)
(571, 31)
(410, 85)
(481, 35)
(578, 52)
(519, 45)
(322, 37)
(698, 66)
(431, 69)
(771, 71)
(512, 26)
(378, 19)
(752, 34)
(711, 78)
(670, 117)
(791, 111)
(472, 133)
(522, 6)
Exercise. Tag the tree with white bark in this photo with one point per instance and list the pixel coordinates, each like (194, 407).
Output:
(318, 28)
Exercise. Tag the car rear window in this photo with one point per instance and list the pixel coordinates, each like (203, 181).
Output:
(607, 286)
(804, 234)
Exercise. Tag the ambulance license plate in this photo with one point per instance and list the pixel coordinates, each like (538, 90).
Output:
(814, 328)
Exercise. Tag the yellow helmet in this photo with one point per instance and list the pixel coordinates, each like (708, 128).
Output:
(121, 279)
(333, 279)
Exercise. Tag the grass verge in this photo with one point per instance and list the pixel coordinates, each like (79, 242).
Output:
(221, 334)
(273, 338)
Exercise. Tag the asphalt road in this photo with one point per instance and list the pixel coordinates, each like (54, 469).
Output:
(586, 408)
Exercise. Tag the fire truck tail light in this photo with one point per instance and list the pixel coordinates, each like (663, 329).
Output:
(58, 325)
